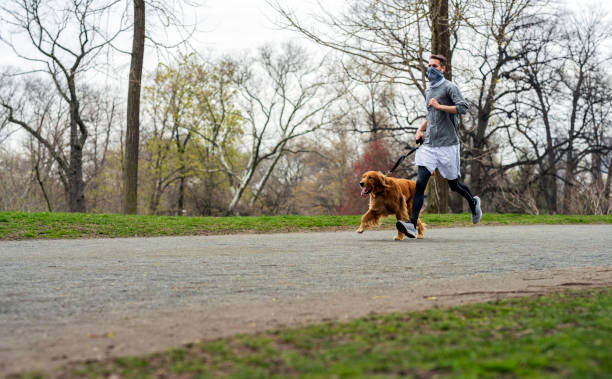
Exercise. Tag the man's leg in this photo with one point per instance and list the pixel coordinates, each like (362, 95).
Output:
(409, 229)
(419, 193)
(464, 191)
(473, 201)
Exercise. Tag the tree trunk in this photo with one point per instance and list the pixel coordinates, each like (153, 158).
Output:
(550, 182)
(42, 186)
(132, 136)
(478, 150)
(570, 165)
(181, 195)
(437, 190)
(265, 177)
(596, 171)
(76, 195)
(244, 182)
(550, 178)
(154, 201)
(608, 187)
(570, 168)
(440, 33)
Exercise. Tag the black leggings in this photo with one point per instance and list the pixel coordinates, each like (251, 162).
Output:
(419, 193)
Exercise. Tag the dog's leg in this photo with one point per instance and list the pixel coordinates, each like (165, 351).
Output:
(420, 227)
(369, 219)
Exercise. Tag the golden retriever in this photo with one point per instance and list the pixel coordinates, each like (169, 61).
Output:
(388, 196)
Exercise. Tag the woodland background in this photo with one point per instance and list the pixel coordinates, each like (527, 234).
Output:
(282, 129)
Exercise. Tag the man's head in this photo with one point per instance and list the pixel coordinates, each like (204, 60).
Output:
(438, 62)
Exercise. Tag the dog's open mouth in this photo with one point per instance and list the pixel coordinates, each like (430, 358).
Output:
(365, 190)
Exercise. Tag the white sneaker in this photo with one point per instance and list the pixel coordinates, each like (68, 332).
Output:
(407, 228)
(477, 215)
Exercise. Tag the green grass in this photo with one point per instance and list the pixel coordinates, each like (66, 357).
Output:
(567, 334)
(19, 225)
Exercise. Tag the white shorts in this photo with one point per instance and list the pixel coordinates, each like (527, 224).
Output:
(444, 158)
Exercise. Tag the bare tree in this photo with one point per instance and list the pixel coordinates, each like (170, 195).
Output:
(66, 40)
(599, 140)
(375, 107)
(103, 112)
(391, 39)
(277, 197)
(48, 145)
(41, 168)
(322, 190)
(5, 130)
(42, 116)
(392, 35)
(540, 117)
(18, 190)
(394, 39)
(285, 97)
(497, 29)
(532, 110)
(367, 104)
(583, 40)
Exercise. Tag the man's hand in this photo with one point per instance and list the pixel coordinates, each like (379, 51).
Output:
(434, 103)
(419, 135)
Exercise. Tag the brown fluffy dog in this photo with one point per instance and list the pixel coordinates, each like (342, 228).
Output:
(388, 196)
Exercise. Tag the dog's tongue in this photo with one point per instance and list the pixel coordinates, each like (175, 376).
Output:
(363, 191)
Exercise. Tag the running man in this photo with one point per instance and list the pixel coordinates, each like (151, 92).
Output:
(441, 146)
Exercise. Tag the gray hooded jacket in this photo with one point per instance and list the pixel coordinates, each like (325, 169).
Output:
(442, 126)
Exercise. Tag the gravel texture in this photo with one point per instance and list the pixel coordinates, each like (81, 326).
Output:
(82, 299)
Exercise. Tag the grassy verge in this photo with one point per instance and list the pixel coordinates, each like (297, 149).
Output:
(566, 334)
(18, 225)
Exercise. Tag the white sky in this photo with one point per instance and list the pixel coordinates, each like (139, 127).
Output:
(235, 26)
(223, 27)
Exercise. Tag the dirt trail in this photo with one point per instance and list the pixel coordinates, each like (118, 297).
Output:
(88, 299)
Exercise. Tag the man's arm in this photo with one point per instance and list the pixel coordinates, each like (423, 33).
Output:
(460, 105)
(452, 109)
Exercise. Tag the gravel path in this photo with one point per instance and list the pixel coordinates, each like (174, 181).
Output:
(80, 299)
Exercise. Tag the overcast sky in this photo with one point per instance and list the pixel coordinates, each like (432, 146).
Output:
(236, 25)
(233, 26)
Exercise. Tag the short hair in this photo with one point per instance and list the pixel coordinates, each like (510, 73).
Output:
(439, 57)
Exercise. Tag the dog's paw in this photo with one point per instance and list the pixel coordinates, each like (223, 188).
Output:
(398, 238)
(420, 236)
(360, 230)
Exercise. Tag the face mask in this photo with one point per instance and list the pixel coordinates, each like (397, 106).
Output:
(434, 75)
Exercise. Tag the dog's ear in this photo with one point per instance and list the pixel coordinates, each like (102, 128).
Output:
(383, 180)
(386, 182)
